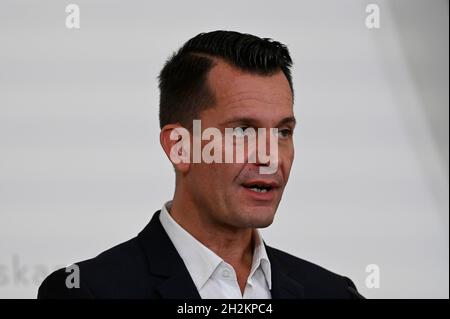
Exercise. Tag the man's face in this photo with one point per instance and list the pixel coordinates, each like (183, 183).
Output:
(225, 192)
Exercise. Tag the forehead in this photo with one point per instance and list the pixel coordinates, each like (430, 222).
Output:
(241, 92)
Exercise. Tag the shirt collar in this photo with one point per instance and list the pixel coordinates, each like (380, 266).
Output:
(260, 259)
(200, 261)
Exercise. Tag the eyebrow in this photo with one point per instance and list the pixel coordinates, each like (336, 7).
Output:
(288, 120)
(252, 121)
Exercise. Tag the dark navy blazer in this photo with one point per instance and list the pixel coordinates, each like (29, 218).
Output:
(149, 266)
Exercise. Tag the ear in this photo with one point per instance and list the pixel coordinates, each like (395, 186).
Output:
(176, 143)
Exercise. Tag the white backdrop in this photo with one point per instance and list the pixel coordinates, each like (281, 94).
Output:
(81, 168)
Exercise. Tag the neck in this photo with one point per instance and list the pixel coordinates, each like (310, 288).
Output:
(233, 245)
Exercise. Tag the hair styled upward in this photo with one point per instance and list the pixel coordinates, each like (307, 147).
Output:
(184, 90)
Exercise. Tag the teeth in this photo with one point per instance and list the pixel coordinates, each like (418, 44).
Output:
(259, 190)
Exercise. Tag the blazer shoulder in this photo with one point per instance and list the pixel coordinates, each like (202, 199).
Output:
(55, 287)
(117, 267)
(317, 281)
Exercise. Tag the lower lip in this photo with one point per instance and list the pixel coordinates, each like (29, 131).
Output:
(267, 196)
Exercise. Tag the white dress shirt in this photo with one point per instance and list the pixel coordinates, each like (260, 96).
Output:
(213, 277)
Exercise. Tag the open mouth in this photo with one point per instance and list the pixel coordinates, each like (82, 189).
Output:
(259, 187)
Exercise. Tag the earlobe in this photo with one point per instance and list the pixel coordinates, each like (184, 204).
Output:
(164, 139)
(175, 141)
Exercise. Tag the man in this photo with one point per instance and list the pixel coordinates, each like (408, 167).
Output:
(205, 243)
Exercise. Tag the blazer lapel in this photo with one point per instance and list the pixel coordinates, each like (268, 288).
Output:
(176, 283)
(165, 262)
(283, 286)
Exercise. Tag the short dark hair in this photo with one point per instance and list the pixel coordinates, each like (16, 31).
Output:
(184, 90)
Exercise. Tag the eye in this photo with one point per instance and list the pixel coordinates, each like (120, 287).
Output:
(284, 133)
(240, 131)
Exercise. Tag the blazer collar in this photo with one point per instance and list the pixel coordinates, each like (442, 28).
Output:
(164, 261)
(283, 286)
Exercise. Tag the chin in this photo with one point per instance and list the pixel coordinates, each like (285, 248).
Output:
(259, 217)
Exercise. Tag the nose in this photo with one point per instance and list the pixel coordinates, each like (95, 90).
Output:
(267, 142)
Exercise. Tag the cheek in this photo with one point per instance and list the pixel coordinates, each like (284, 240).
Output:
(288, 159)
(225, 175)
(215, 175)
(201, 175)
(291, 157)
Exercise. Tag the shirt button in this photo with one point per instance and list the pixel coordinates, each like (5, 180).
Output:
(226, 273)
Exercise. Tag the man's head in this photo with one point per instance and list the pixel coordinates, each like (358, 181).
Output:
(230, 80)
